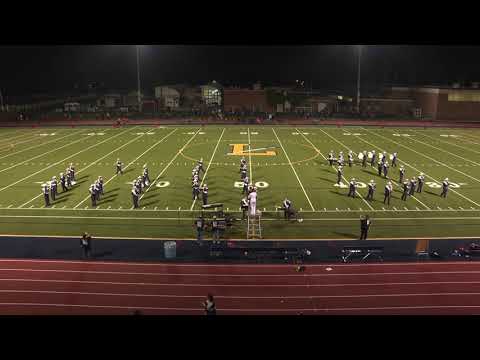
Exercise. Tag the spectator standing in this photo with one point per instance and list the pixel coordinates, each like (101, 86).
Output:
(86, 243)
(209, 305)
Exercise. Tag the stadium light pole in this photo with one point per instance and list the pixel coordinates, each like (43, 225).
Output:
(139, 100)
(359, 48)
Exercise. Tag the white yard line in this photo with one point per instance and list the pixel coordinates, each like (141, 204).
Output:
(170, 163)
(6, 140)
(130, 163)
(394, 182)
(431, 177)
(343, 177)
(209, 163)
(6, 147)
(93, 163)
(250, 156)
(445, 151)
(43, 143)
(294, 171)
(44, 153)
(446, 142)
(428, 157)
(61, 161)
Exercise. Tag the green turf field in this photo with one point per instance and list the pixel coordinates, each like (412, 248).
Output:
(295, 167)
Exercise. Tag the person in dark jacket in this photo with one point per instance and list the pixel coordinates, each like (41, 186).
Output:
(86, 244)
(365, 223)
(209, 306)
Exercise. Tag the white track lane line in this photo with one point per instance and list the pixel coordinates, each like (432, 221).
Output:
(293, 169)
(131, 162)
(411, 149)
(91, 164)
(208, 167)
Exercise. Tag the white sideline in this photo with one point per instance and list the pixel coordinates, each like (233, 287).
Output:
(131, 162)
(294, 171)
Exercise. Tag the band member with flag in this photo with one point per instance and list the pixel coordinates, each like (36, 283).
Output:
(445, 186)
(352, 188)
(371, 190)
(45, 194)
(388, 192)
(119, 167)
(402, 174)
(53, 188)
(406, 190)
(339, 174)
(421, 180)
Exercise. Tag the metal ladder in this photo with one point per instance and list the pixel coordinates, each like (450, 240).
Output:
(254, 226)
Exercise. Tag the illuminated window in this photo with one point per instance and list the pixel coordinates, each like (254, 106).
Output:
(211, 96)
(472, 96)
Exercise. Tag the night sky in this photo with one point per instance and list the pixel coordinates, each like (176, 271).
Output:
(28, 69)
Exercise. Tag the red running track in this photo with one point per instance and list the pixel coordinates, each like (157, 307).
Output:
(46, 287)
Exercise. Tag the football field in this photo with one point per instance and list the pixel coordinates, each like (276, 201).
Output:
(282, 162)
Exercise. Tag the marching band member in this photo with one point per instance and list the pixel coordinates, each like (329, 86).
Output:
(388, 192)
(413, 185)
(244, 207)
(374, 157)
(252, 197)
(379, 167)
(406, 190)
(45, 194)
(93, 195)
(421, 180)
(245, 186)
(135, 196)
(339, 174)
(352, 188)
(402, 174)
(385, 169)
(394, 160)
(205, 194)
(119, 167)
(53, 188)
(350, 159)
(331, 158)
(63, 182)
(371, 189)
(445, 186)
(364, 159)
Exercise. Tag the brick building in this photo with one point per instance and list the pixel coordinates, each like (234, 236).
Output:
(238, 100)
(442, 103)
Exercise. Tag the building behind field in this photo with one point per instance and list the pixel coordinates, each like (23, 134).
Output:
(453, 103)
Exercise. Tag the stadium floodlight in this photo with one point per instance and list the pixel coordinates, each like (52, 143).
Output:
(139, 100)
(359, 48)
